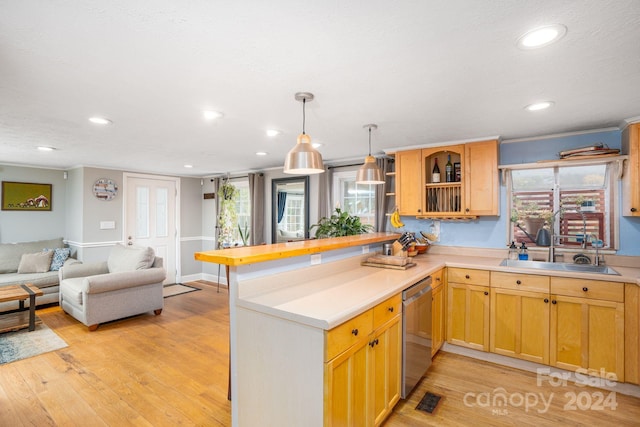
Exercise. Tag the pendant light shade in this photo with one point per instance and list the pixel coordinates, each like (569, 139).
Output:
(369, 172)
(303, 159)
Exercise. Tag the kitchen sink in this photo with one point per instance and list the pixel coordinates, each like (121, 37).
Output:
(560, 266)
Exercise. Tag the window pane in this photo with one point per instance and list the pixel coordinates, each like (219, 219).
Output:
(243, 210)
(576, 177)
(532, 179)
(142, 212)
(356, 199)
(162, 226)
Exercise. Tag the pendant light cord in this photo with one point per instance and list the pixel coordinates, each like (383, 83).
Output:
(304, 101)
(369, 140)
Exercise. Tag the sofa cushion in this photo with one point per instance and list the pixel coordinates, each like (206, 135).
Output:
(130, 258)
(71, 290)
(41, 280)
(60, 255)
(10, 253)
(39, 262)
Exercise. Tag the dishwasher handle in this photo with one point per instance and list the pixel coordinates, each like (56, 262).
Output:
(416, 296)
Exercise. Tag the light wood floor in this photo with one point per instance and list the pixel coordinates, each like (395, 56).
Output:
(172, 370)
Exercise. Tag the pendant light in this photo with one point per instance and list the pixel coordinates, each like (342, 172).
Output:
(303, 159)
(369, 172)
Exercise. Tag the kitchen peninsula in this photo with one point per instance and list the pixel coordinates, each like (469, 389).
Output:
(290, 301)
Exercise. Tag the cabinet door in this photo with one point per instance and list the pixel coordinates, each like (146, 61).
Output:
(386, 362)
(437, 319)
(587, 333)
(520, 324)
(481, 182)
(409, 182)
(468, 316)
(346, 389)
(631, 177)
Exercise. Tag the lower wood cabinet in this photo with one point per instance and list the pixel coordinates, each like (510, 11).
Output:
(362, 383)
(587, 326)
(437, 312)
(468, 316)
(520, 324)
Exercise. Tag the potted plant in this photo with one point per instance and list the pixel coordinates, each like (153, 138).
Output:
(244, 234)
(340, 224)
(585, 204)
(530, 216)
(228, 218)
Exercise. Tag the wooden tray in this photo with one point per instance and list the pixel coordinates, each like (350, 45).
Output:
(392, 267)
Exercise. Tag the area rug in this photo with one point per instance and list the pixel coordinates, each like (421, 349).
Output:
(22, 344)
(177, 289)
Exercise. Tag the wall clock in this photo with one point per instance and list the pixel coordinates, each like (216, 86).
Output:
(105, 189)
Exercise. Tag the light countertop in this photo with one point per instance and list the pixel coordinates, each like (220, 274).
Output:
(327, 295)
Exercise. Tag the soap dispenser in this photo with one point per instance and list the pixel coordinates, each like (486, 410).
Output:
(513, 251)
(523, 255)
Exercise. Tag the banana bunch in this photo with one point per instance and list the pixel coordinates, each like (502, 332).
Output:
(395, 220)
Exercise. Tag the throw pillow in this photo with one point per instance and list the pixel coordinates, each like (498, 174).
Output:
(60, 255)
(35, 263)
(130, 258)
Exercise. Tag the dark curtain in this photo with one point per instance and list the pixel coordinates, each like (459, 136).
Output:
(256, 194)
(324, 193)
(282, 202)
(383, 202)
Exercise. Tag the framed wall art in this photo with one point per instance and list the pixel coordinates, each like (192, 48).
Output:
(26, 196)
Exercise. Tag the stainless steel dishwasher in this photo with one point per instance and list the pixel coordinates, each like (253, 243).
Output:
(416, 334)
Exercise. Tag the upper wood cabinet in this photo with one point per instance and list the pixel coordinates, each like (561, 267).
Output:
(409, 188)
(631, 179)
(473, 190)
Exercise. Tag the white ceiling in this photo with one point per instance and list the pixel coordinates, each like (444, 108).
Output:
(425, 71)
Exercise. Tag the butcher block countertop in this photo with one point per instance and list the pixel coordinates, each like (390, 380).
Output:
(252, 254)
(327, 295)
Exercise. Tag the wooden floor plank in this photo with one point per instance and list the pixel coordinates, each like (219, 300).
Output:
(172, 370)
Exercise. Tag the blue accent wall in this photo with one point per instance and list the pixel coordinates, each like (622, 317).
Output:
(490, 232)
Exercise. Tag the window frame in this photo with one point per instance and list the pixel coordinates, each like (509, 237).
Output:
(611, 213)
(337, 196)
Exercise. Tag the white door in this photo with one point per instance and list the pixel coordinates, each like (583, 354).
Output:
(150, 217)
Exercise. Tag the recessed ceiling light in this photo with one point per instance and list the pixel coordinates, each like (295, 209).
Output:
(188, 166)
(44, 148)
(100, 121)
(261, 153)
(541, 37)
(212, 115)
(273, 132)
(539, 106)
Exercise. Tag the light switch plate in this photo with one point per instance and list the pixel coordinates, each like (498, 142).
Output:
(107, 225)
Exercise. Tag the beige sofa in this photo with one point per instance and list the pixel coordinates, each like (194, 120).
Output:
(127, 284)
(15, 269)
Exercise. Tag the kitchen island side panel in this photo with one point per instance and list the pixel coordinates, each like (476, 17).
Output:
(280, 371)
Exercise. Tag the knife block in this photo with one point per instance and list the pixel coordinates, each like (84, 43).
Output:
(397, 249)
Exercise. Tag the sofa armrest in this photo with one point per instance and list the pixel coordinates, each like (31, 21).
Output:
(82, 270)
(122, 280)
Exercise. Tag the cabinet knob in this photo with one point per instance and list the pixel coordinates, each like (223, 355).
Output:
(633, 209)
(467, 276)
(466, 210)
(486, 293)
(518, 282)
(585, 289)
(554, 302)
(390, 309)
(546, 300)
(374, 343)
(355, 332)
(419, 210)
(437, 279)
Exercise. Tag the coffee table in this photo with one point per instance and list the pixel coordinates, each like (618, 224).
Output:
(24, 318)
